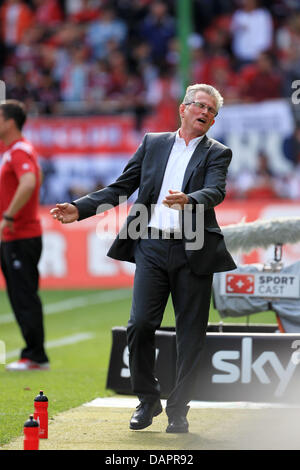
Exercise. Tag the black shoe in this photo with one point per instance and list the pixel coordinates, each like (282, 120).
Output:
(144, 413)
(178, 424)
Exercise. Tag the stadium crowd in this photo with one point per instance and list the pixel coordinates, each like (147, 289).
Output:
(88, 57)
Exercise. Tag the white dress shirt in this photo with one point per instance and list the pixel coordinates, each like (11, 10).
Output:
(163, 217)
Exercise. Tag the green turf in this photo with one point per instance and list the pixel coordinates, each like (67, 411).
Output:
(78, 372)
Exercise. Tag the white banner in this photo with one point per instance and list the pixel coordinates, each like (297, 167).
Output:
(268, 116)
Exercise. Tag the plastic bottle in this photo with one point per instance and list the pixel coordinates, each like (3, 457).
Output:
(41, 414)
(31, 434)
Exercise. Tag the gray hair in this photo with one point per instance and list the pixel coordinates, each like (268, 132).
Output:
(210, 90)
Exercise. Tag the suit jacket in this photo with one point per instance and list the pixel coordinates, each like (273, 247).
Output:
(204, 182)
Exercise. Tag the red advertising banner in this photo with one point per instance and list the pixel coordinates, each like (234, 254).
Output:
(77, 135)
(74, 255)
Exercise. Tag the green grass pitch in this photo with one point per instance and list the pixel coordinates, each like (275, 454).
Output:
(78, 370)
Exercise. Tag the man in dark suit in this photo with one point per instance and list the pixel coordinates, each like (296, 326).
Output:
(179, 175)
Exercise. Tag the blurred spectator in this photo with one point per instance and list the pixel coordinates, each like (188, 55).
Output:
(157, 29)
(15, 18)
(74, 7)
(56, 53)
(99, 32)
(173, 55)
(288, 185)
(288, 47)
(163, 96)
(252, 31)
(75, 80)
(132, 99)
(261, 81)
(198, 59)
(264, 185)
(140, 61)
(118, 73)
(205, 12)
(86, 11)
(292, 146)
(19, 89)
(288, 37)
(47, 94)
(48, 13)
(218, 72)
(126, 88)
(241, 183)
(66, 35)
(99, 82)
(218, 36)
(281, 8)
(223, 77)
(134, 11)
(27, 55)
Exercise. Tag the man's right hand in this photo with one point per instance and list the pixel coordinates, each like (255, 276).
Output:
(66, 213)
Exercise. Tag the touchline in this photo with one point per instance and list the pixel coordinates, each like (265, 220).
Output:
(232, 372)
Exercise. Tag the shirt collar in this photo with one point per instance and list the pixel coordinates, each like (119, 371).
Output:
(14, 142)
(193, 142)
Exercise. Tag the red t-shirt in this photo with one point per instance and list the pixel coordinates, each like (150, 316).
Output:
(19, 158)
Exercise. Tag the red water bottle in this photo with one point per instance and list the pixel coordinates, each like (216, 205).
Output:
(41, 414)
(31, 434)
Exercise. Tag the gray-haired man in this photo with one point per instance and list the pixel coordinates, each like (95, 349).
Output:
(176, 173)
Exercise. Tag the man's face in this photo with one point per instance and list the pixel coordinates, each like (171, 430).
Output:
(196, 120)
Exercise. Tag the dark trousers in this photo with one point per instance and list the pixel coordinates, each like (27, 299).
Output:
(19, 263)
(161, 269)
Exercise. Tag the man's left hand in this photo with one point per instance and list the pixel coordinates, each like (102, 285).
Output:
(6, 223)
(176, 200)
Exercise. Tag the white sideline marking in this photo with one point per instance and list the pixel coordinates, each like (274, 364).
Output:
(66, 340)
(115, 402)
(76, 302)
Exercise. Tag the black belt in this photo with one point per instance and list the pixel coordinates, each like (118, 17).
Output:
(157, 233)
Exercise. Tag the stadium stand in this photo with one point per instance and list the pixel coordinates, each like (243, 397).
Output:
(115, 57)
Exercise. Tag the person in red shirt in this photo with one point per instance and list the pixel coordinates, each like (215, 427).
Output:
(21, 234)
(261, 80)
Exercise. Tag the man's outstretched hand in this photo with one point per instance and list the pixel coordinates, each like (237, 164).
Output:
(66, 213)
